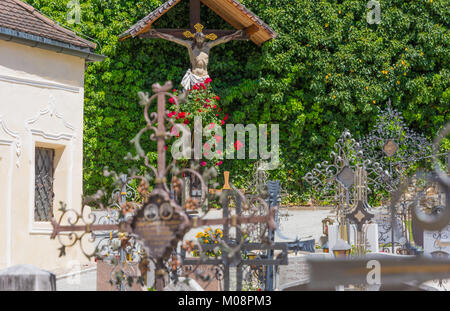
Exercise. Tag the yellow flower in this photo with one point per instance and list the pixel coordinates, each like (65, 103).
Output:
(374, 101)
(334, 96)
(398, 82)
(339, 11)
(406, 49)
(367, 88)
(404, 73)
(326, 25)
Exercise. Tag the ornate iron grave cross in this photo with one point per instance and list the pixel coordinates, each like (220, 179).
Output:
(349, 175)
(394, 272)
(237, 252)
(159, 223)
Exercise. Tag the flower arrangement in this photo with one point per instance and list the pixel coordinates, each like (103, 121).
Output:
(209, 236)
(201, 102)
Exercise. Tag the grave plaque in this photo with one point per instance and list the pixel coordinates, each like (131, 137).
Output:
(390, 148)
(158, 231)
(346, 177)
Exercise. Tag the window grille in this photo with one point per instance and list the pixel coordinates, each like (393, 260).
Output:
(44, 171)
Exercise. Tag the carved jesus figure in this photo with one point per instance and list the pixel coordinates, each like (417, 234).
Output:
(198, 52)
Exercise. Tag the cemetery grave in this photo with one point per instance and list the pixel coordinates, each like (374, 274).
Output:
(177, 219)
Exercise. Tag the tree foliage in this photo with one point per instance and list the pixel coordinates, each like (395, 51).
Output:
(328, 70)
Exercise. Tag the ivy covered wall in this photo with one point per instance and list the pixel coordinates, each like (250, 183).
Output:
(328, 70)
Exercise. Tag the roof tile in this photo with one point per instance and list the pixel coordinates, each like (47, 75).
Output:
(19, 16)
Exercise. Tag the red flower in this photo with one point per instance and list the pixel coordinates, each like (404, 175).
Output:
(182, 115)
(203, 163)
(186, 121)
(202, 86)
(217, 98)
(238, 145)
(199, 110)
(207, 100)
(226, 116)
(174, 90)
(223, 122)
(171, 100)
(215, 106)
(165, 147)
(208, 80)
(195, 87)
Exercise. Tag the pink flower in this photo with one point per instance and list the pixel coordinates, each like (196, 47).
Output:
(206, 146)
(238, 145)
(218, 138)
(211, 125)
(207, 100)
(219, 163)
(219, 151)
(215, 106)
(222, 121)
(203, 163)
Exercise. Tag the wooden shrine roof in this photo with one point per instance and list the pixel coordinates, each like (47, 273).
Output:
(232, 11)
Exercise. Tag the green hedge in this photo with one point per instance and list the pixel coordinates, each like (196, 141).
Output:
(328, 70)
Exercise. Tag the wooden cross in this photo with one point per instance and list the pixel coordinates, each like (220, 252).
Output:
(194, 18)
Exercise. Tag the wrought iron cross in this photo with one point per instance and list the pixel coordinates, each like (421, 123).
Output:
(161, 222)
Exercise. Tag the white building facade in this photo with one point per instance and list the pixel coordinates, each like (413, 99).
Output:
(41, 132)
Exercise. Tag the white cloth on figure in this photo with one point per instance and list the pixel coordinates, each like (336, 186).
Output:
(190, 79)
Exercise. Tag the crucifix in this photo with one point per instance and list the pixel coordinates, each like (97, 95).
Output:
(248, 27)
(200, 45)
(198, 50)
